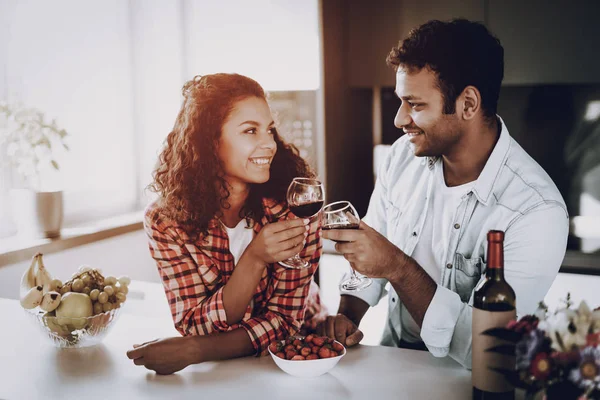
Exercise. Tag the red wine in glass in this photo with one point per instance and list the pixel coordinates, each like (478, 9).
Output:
(337, 227)
(306, 210)
(343, 215)
(305, 197)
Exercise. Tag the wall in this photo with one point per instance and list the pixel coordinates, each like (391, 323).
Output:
(126, 254)
(348, 120)
(358, 35)
(559, 126)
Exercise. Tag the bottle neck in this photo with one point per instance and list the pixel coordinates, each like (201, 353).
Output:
(496, 274)
(495, 266)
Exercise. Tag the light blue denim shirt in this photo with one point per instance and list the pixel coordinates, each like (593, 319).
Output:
(512, 194)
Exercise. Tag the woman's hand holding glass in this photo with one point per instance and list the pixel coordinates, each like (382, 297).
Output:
(279, 241)
(305, 197)
(342, 215)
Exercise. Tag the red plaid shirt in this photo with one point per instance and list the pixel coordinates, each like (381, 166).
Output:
(194, 274)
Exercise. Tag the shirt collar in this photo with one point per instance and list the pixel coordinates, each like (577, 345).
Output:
(486, 181)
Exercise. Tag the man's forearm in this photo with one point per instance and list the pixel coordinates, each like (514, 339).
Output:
(353, 308)
(220, 346)
(414, 287)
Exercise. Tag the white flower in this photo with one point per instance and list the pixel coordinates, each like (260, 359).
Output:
(541, 312)
(595, 323)
(567, 329)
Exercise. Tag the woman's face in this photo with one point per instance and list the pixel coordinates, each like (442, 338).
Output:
(247, 146)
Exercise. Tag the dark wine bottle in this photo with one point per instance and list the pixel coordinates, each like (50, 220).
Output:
(494, 305)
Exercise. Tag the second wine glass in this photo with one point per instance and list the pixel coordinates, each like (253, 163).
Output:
(305, 197)
(342, 215)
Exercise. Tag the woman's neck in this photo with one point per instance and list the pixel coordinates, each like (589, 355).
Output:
(238, 194)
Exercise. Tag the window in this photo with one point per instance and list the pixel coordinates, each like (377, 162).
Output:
(111, 73)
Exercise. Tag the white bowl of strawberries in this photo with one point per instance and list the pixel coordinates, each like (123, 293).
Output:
(307, 357)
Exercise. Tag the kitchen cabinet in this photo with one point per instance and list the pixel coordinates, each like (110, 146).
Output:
(547, 42)
(374, 27)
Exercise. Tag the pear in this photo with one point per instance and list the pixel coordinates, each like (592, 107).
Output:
(75, 305)
(55, 285)
(73, 310)
(50, 301)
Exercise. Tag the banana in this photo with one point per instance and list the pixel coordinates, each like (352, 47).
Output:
(42, 277)
(33, 298)
(28, 278)
(50, 301)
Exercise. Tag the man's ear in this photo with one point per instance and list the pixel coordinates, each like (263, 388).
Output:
(469, 103)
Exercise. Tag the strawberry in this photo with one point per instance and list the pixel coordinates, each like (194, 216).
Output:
(315, 349)
(298, 357)
(280, 355)
(290, 354)
(289, 347)
(312, 357)
(309, 338)
(324, 352)
(274, 347)
(297, 342)
(318, 341)
(337, 347)
(305, 351)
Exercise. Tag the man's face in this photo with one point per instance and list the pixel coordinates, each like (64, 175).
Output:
(420, 116)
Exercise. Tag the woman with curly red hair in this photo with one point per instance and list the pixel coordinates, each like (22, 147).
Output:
(220, 226)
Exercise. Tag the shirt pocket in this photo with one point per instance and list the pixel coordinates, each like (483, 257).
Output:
(394, 222)
(467, 274)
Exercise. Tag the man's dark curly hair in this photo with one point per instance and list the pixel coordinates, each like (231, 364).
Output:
(461, 53)
(189, 176)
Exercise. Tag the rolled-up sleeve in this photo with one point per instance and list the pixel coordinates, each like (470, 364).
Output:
(370, 295)
(187, 279)
(534, 248)
(285, 310)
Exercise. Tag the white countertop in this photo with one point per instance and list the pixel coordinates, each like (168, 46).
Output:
(31, 368)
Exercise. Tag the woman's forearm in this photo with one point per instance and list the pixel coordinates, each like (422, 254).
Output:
(241, 287)
(221, 346)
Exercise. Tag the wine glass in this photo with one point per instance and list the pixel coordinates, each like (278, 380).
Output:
(342, 215)
(305, 197)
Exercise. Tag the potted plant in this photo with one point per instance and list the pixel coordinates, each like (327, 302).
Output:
(30, 145)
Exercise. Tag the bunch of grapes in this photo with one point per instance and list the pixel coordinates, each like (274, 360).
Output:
(106, 293)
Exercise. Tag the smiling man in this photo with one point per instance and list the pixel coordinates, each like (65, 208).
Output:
(453, 176)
